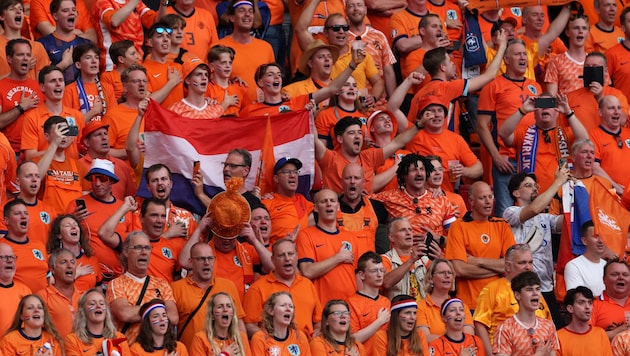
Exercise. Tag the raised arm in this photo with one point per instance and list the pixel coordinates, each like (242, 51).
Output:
(486, 77)
(554, 30)
(131, 146)
(398, 96)
(506, 131)
(57, 135)
(107, 232)
(334, 86)
(304, 37)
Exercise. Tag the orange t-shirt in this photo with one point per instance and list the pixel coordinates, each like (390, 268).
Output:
(62, 183)
(137, 350)
(245, 64)
(13, 91)
(236, 265)
(76, 347)
(333, 163)
(201, 346)
(566, 72)
(260, 109)
(188, 295)
(607, 314)
(164, 257)
(619, 67)
(609, 155)
(326, 119)
(296, 343)
(430, 316)
(583, 102)
(286, 213)
(112, 80)
(364, 311)
(217, 92)
(157, 74)
(600, 40)
(33, 133)
(14, 343)
(71, 97)
(447, 346)
(120, 119)
(60, 307)
(11, 296)
(206, 111)
(200, 33)
(40, 12)
(379, 344)
(40, 216)
(319, 346)
(448, 92)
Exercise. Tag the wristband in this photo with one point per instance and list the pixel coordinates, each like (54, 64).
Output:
(570, 114)
(520, 109)
(20, 109)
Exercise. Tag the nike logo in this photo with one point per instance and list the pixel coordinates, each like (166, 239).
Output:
(278, 209)
(86, 350)
(605, 144)
(318, 246)
(622, 63)
(514, 303)
(156, 75)
(366, 314)
(55, 51)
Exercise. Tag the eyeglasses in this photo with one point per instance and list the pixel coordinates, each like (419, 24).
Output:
(289, 171)
(339, 313)
(95, 178)
(232, 165)
(336, 28)
(140, 248)
(619, 141)
(161, 30)
(8, 258)
(204, 259)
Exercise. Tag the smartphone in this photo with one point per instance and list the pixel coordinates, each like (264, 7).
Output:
(196, 167)
(545, 103)
(427, 241)
(80, 204)
(593, 74)
(72, 131)
(562, 162)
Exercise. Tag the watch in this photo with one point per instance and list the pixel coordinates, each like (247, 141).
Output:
(417, 124)
(20, 109)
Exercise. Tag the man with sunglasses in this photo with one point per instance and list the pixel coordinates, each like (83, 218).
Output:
(612, 143)
(103, 216)
(162, 72)
(540, 146)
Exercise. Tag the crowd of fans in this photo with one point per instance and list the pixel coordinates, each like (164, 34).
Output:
(443, 218)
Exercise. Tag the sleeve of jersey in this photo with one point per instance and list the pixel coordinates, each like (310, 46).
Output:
(551, 71)
(30, 132)
(305, 248)
(396, 29)
(455, 249)
(502, 341)
(165, 290)
(38, 13)
(422, 319)
(370, 67)
(147, 16)
(485, 307)
(253, 305)
(487, 103)
(450, 212)
(508, 237)
(84, 22)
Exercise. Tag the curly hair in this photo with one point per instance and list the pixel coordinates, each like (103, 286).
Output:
(54, 235)
(233, 331)
(79, 325)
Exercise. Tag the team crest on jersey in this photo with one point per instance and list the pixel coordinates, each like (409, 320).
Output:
(394, 33)
(237, 261)
(166, 252)
(485, 239)
(627, 142)
(273, 351)
(284, 108)
(620, 39)
(38, 254)
(472, 43)
(532, 89)
(294, 349)
(431, 351)
(363, 120)
(451, 15)
(122, 220)
(44, 217)
(516, 11)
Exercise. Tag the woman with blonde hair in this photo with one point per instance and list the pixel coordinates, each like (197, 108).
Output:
(278, 335)
(220, 336)
(336, 337)
(401, 338)
(93, 324)
(439, 284)
(32, 331)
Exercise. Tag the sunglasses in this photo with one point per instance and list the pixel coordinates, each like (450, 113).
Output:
(161, 30)
(336, 28)
(94, 178)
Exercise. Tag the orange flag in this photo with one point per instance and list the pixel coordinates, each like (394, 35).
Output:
(610, 218)
(267, 161)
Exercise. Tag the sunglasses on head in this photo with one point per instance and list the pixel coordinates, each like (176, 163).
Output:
(336, 28)
(161, 30)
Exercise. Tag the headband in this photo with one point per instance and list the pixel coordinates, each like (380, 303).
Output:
(151, 308)
(407, 303)
(449, 302)
(241, 3)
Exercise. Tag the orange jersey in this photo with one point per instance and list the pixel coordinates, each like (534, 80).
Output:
(112, 80)
(317, 245)
(33, 133)
(514, 338)
(157, 73)
(88, 281)
(319, 346)
(566, 72)
(201, 346)
(488, 239)
(164, 257)
(126, 185)
(547, 154)
(128, 287)
(364, 311)
(217, 92)
(100, 211)
(377, 46)
(403, 24)
(62, 183)
(137, 350)
(72, 99)
(40, 216)
(120, 119)
(188, 295)
(448, 146)
(308, 309)
(607, 314)
(31, 268)
(429, 316)
(379, 344)
(8, 167)
(13, 91)
(200, 33)
(326, 119)
(262, 108)
(236, 265)
(16, 343)
(589, 10)
(206, 111)
(38, 53)
(60, 307)
(40, 12)
(584, 103)
(619, 67)
(333, 163)
(11, 295)
(362, 74)
(245, 65)
(75, 347)
(389, 163)
(286, 213)
(445, 346)
(296, 343)
(593, 342)
(448, 92)
(609, 154)
(436, 214)
(600, 40)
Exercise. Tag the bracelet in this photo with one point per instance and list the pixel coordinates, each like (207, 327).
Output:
(417, 124)
(523, 112)
(570, 114)
(20, 109)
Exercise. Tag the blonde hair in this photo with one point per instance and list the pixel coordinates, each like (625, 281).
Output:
(233, 332)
